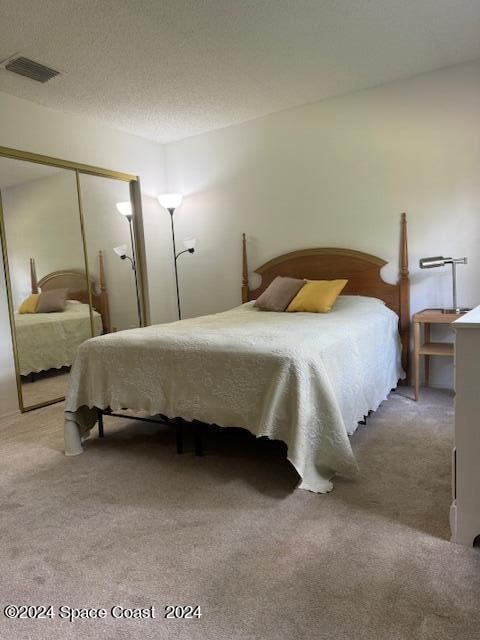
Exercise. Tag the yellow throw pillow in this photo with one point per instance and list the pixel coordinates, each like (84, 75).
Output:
(29, 305)
(317, 296)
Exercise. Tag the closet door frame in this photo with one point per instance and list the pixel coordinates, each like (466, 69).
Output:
(135, 197)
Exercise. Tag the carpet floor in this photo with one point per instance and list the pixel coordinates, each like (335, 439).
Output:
(131, 523)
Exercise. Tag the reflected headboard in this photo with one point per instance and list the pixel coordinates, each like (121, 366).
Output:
(362, 271)
(75, 281)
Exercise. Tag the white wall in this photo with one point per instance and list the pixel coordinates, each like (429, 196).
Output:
(338, 173)
(27, 126)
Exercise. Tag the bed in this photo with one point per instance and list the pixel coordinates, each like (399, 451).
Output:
(305, 379)
(50, 340)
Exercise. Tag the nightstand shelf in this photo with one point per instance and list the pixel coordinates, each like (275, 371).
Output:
(436, 349)
(426, 348)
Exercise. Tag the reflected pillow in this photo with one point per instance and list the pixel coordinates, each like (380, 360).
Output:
(29, 305)
(317, 296)
(279, 293)
(52, 301)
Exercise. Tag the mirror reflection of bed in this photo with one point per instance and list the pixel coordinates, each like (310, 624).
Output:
(47, 341)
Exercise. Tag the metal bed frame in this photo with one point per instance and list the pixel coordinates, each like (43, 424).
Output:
(199, 428)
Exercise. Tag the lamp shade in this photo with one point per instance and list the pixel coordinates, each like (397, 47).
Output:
(125, 208)
(121, 250)
(170, 200)
(434, 261)
(189, 243)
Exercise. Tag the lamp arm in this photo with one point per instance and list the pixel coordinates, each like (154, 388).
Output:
(132, 263)
(184, 251)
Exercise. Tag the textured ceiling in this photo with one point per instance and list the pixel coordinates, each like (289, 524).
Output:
(174, 68)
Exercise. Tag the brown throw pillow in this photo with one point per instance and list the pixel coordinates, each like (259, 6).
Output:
(52, 301)
(279, 293)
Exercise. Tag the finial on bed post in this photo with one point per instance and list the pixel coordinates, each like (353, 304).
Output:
(33, 276)
(404, 296)
(105, 309)
(245, 289)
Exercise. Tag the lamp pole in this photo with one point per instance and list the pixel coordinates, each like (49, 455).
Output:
(126, 209)
(170, 211)
(454, 286)
(134, 267)
(170, 201)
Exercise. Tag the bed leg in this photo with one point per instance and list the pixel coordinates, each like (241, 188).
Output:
(198, 436)
(179, 436)
(364, 421)
(100, 423)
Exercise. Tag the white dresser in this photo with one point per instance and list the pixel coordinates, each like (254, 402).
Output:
(465, 509)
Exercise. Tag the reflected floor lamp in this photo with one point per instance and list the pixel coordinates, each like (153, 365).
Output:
(170, 202)
(125, 208)
(440, 261)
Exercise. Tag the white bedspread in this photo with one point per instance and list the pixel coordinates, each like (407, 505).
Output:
(50, 340)
(303, 378)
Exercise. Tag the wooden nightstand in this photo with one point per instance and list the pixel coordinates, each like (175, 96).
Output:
(427, 349)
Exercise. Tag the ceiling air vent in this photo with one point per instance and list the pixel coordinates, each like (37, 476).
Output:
(31, 69)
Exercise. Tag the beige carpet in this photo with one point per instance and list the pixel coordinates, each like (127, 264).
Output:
(133, 524)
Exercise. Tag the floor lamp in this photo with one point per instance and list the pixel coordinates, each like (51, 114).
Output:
(170, 202)
(125, 208)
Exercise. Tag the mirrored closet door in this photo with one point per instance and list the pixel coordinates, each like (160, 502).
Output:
(72, 262)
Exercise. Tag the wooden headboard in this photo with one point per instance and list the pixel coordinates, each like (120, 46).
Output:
(362, 271)
(75, 281)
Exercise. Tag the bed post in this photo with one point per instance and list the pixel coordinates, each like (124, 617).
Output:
(245, 289)
(404, 297)
(105, 312)
(33, 276)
